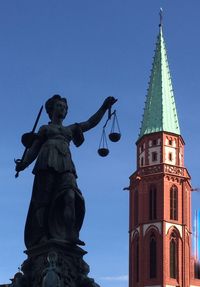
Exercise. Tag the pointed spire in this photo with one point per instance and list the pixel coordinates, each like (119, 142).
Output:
(160, 110)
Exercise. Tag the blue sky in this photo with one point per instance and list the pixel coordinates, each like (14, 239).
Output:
(87, 50)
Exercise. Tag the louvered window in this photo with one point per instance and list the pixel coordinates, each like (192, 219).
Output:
(152, 202)
(137, 259)
(136, 207)
(173, 256)
(174, 203)
(153, 256)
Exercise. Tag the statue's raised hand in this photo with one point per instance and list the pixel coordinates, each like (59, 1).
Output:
(109, 101)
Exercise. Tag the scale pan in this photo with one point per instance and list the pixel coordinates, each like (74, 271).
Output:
(114, 137)
(103, 151)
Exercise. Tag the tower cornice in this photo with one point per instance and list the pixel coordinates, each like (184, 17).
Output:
(160, 132)
(160, 169)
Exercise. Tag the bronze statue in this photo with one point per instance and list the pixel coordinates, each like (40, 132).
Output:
(57, 206)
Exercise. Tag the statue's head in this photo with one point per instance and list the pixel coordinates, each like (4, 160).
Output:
(58, 105)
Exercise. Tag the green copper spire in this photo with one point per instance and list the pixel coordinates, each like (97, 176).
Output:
(160, 110)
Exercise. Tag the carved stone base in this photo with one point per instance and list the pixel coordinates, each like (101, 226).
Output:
(55, 264)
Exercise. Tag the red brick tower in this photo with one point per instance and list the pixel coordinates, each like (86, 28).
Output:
(160, 190)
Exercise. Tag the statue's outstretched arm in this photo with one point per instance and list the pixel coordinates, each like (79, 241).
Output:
(96, 118)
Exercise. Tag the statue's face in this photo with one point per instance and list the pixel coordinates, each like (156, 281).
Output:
(60, 109)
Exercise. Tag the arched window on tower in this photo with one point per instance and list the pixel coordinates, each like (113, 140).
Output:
(136, 207)
(142, 161)
(137, 258)
(174, 202)
(152, 202)
(152, 256)
(173, 256)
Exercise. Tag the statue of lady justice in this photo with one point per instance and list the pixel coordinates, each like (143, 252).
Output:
(57, 206)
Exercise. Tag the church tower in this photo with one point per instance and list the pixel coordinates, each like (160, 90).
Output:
(160, 190)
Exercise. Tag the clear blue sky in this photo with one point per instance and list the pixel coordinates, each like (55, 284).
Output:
(87, 50)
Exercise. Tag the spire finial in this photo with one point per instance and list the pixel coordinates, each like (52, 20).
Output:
(161, 17)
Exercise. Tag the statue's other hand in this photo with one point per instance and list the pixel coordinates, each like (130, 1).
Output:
(20, 165)
(109, 101)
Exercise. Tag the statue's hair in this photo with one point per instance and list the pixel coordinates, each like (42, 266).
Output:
(49, 105)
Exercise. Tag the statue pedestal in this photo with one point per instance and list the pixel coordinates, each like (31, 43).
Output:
(55, 264)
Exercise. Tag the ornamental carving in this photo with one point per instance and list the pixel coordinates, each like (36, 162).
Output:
(174, 169)
(151, 169)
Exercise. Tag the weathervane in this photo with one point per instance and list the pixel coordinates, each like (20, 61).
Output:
(161, 17)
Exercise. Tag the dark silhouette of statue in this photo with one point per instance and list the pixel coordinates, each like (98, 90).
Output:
(57, 206)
